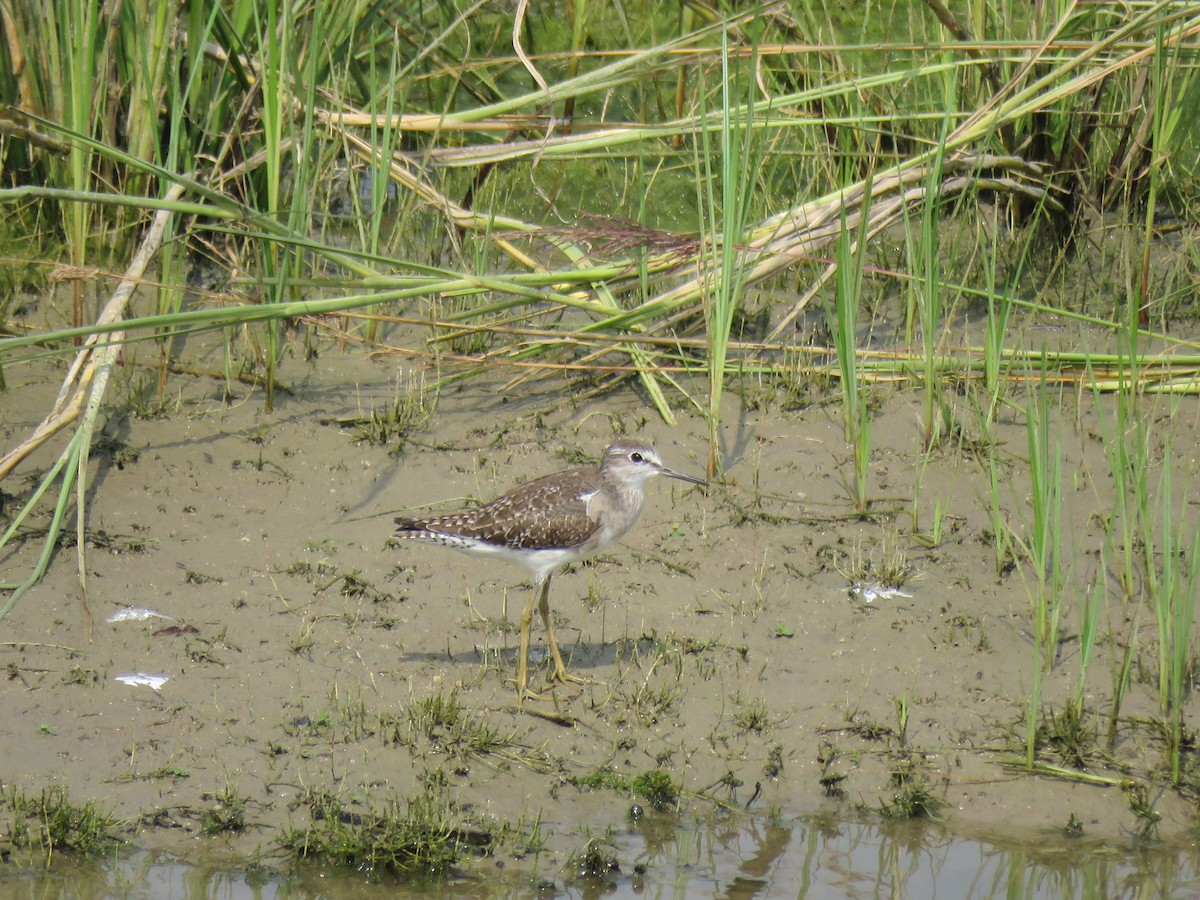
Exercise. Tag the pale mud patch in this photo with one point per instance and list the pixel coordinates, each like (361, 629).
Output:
(724, 645)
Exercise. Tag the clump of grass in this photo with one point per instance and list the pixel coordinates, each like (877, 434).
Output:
(227, 814)
(173, 771)
(1142, 807)
(1073, 828)
(801, 383)
(833, 771)
(418, 838)
(932, 537)
(141, 394)
(442, 723)
(355, 586)
(914, 800)
(654, 702)
(1069, 734)
(912, 797)
(348, 717)
(773, 767)
(654, 786)
(596, 860)
(435, 715)
(751, 715)
(860, 724)
(1069, 731)
(410, 410)
(925, 294)
(81, 675)
(889, 569)
(603, 778)
(50, 823)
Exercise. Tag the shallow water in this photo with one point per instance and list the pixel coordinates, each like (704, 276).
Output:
(734, 859)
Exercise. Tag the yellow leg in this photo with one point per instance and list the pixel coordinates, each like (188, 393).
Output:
(560, 669)
(523, 692)
(540, 596)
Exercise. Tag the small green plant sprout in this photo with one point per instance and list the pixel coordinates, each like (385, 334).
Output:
(901, 704)
(1073, 828)
(833, 769)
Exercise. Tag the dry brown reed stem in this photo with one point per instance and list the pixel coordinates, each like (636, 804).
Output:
(797, 234)
(98, 352)
(434, 122)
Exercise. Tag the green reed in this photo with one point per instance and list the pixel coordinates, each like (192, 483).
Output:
(1041, 547)
(80, 62)
(1089, 609)
(1125, 432)
(1174, 586)
(925, 292)
(842, 316)
(1175, 80)
(738, 165)
(932, 537)
(996, 363)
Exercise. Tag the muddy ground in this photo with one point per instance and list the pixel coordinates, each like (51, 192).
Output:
(722, 638)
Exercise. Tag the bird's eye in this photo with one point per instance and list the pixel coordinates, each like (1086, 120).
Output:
(636, 457)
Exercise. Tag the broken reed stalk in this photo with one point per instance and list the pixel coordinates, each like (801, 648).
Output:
(82, 391)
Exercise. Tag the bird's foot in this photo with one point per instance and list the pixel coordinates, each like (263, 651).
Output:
(564, 677)
(524, 693)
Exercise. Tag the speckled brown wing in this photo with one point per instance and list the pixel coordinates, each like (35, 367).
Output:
(546, 512)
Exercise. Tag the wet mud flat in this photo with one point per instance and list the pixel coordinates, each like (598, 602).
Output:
(745, 652)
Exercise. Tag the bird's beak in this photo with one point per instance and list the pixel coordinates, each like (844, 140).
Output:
(691, 479)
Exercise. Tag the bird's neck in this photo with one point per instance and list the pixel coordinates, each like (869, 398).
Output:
(628, 498)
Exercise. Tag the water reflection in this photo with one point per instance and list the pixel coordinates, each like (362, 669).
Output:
(816, 858)
(731, 857)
